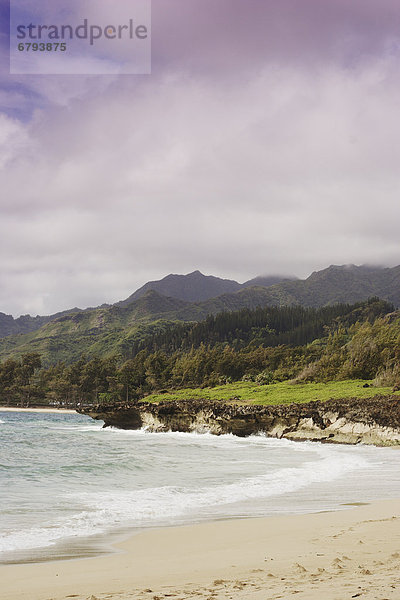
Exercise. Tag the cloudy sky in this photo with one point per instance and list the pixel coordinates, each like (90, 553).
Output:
(266, 140)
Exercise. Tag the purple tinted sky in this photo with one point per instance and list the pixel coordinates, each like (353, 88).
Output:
(266, 140)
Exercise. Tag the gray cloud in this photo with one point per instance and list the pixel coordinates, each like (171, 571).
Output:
(283, 159)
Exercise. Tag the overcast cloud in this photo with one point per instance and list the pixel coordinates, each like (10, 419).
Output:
(266, 141)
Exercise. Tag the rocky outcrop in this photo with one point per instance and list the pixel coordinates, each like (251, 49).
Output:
(349, 421)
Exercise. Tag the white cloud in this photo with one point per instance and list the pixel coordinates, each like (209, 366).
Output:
(14, 140)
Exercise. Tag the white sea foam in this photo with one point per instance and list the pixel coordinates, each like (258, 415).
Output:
(84, 480)
(151, 506)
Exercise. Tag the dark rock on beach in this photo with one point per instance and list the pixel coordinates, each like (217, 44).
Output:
(350, 421)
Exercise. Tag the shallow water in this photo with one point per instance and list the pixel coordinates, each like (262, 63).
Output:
(66, 483)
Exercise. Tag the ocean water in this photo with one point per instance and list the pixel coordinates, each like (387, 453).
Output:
(69, 488)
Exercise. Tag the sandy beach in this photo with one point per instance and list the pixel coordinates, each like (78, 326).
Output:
(37, 410)
(353, 553)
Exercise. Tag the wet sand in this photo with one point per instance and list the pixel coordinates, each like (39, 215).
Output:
(38, 410)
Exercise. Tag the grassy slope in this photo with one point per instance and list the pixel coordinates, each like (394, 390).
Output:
(277, 393)
(68, 347)
(100, 331)
(105, 331)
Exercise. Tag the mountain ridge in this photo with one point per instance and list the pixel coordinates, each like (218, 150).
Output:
(111, 329)
(193, 287)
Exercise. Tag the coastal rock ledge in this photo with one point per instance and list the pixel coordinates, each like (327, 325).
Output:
(374, 421)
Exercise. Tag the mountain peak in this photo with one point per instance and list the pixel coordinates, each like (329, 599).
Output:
(346, 270)
(193, 287)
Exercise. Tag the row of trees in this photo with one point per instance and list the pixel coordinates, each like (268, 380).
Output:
(362, 341)
(104, 380)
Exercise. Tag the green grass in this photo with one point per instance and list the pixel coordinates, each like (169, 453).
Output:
(276, 393)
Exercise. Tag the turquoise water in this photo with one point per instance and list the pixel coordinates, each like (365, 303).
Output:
(67, 486)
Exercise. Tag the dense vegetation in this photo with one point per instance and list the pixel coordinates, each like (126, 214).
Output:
(261, 347)
(111, 331)
(264, 326)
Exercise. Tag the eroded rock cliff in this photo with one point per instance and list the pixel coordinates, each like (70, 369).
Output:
(349, 421)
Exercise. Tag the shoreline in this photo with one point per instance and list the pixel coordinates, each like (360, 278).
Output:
(339, 554)
(68, 411)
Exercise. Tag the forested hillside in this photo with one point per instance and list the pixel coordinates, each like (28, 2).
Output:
(109, 330)
(121, 329)
(114, 330)
(341, 342)
(263, 326)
